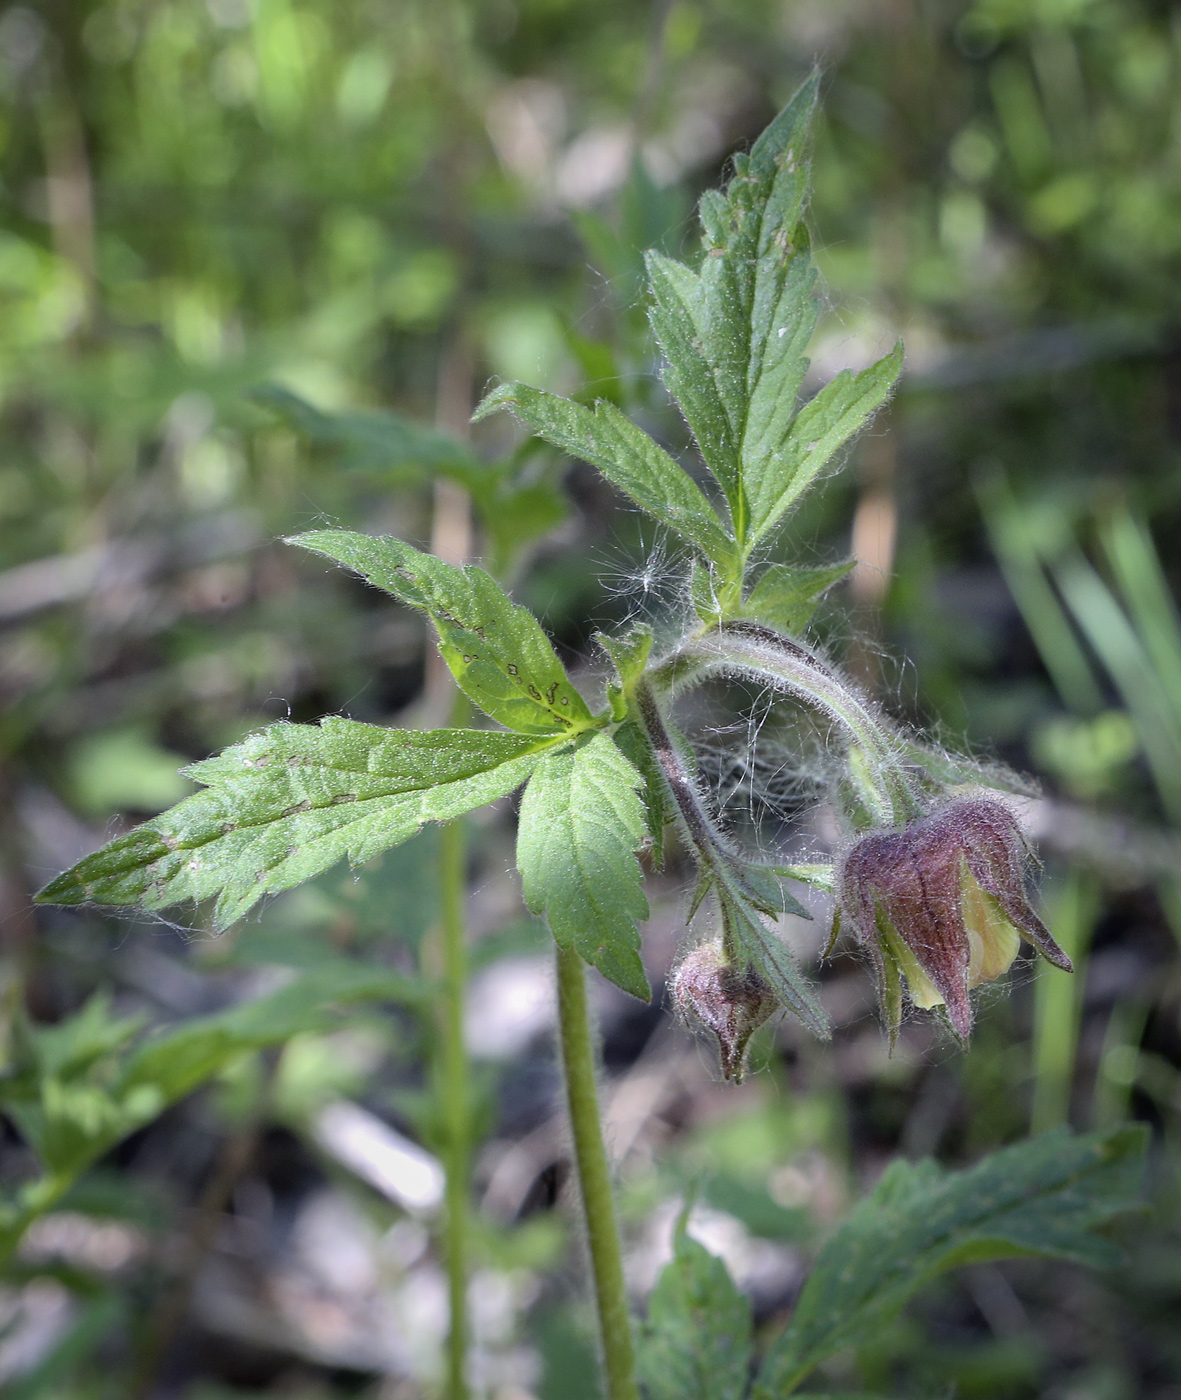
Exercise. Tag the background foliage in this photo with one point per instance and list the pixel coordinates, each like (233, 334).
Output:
(387, 207)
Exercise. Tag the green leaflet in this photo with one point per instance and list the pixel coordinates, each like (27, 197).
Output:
(824, 425)
(626, 456)
(629, 655)
(497, 652)
(287, 803)
(735, 331)
(680, 323)
(629, 738)
(1045, 1196)
(785, 595)
(580, 825)
(696, 1342)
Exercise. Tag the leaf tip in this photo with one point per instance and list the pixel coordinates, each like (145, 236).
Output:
(62, 889)
(503, 396)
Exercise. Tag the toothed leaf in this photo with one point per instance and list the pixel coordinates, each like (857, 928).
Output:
(287, 803)
(629, 655)
(626, 456)
(657, 814)
(734, 332)
(696, 1342)
(580, 825)
(496, 650)
(1046, 1196)
(824, 425)
(785, 596)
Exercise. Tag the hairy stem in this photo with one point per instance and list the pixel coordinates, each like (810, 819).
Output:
(750, 649)
(693, 816)
(594, 1177)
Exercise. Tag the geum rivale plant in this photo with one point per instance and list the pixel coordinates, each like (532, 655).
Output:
(931, 882)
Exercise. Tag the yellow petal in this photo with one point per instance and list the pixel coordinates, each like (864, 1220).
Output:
(993, 942)
(923, 992)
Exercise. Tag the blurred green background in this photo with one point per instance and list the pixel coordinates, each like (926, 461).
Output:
(386, 206)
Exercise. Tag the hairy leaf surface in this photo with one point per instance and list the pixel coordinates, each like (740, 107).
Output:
(734, 332)
(496, 651)
(785, 595)
(288, 802)
(1045, 1196)
(626, 456)
(580, 826)
(629, 655)
(696, 1342)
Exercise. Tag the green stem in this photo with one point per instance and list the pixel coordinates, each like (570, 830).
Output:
(594, 1177)
(454, 1096)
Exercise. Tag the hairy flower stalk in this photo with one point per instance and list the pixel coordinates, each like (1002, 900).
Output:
(941, 903)
(746, 892)
(937, 899)
(752, 650)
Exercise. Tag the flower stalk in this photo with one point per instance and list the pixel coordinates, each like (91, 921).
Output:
(594, 1177)
(752, 650)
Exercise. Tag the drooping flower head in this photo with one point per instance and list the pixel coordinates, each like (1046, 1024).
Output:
(731, 1000)
(942, 903)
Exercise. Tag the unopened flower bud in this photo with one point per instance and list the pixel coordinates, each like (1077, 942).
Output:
(941, 902)
(730, 1000)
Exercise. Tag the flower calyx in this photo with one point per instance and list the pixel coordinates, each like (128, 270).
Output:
(941, 903)
(727, 998)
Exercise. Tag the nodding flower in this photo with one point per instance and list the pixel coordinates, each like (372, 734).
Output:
(941, 902)
(728, 999)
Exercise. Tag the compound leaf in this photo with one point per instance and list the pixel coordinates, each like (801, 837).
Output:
(734, 332)
(626, 456)
(496, 651)
(696, 1342)
(580, 825)
(288, 802)
(1045, 1196)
